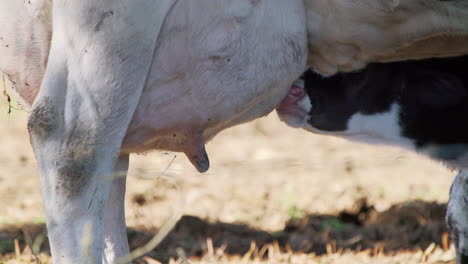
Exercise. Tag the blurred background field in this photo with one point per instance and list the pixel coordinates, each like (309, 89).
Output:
(273, 195)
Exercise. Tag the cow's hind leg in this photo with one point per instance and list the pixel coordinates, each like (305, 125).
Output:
(115, 229)
(457, 216)
(99, 59)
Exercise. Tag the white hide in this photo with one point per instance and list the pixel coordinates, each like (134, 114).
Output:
(99, 59)
(381, 128)
(115, 84)
(25, 32)
(345, 35)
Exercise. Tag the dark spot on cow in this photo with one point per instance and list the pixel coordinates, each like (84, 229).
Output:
(139, 199)
(43, 118)
(76, 159)
(6, 46)
(74, 174)
(92, 199)
(76, 162)
(102, 18)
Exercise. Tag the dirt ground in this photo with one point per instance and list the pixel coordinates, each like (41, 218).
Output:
(273, 195)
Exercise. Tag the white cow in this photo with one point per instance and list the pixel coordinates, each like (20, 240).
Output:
(114, 83)
(111, 77)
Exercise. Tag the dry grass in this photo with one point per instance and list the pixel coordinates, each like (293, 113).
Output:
(263, 176)
(272, 254)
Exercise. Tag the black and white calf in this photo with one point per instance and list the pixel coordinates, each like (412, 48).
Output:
(419, 105)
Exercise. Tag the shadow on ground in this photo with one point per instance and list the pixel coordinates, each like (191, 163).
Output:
(407, 226)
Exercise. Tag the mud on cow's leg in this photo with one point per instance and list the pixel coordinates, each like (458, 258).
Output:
(457, 216)
(99, 58)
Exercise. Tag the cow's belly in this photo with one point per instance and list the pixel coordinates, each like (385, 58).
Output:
(218, 63)
(224, 63)
(25, 33)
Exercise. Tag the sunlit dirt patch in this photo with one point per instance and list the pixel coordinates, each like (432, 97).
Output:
(286, 190)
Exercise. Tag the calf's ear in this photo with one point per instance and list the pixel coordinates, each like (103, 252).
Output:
(436, 89)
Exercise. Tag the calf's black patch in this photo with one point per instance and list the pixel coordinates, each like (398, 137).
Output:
(432, 96)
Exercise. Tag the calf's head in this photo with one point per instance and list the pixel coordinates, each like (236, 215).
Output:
(421, 105)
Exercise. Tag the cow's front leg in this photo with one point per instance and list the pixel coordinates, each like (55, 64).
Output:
(115, 229)
(100, 55)
(457, 216)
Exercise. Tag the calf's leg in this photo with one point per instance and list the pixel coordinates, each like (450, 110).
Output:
(457, 216)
